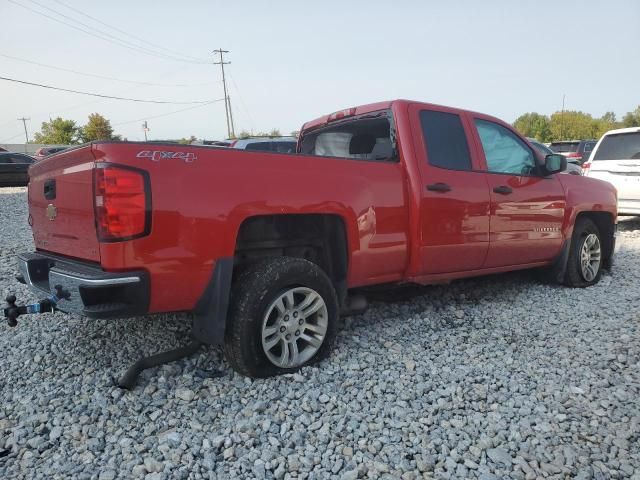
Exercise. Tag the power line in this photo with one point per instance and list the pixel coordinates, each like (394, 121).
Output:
(102, 35)
(167, 114)
(11, 138)
(101, 95)
(114, 37)
(160, 47)
(149, 84)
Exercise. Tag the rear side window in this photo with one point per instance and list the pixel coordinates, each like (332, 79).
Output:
(445, 140)
(621, 146)
(21, 159)
(364, 138)
(565, 147)
(261, 146)
(284, 147)
(588, 146)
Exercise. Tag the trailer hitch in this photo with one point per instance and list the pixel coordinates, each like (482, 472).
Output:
(46, 305)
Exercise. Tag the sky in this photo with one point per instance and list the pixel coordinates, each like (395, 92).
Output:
(294, 61)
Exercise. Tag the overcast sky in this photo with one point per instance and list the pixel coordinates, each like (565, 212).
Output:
(294, 61)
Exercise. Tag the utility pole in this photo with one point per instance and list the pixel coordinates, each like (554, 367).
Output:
(145, 128)
(562, 119)
(24, 122)
(227, 103)
(26, 134)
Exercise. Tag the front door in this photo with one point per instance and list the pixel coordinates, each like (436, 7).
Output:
(454, 208)
(527, 208)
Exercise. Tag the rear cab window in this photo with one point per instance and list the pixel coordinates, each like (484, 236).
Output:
(564, 147)
(366, 137)
(619, 146)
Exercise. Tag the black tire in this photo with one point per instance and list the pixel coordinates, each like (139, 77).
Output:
(574, 276)
(255, 289)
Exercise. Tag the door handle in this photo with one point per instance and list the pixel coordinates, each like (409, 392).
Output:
(439, 187)
(503, 189)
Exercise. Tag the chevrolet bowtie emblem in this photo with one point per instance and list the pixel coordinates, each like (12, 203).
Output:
(52, 211)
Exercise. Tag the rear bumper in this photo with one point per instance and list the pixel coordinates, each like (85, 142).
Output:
(91, 291)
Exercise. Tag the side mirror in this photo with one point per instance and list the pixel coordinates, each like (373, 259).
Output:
(555, 163)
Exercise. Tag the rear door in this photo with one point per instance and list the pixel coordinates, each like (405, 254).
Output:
(616, 159)
(527, 209)
(454, 208)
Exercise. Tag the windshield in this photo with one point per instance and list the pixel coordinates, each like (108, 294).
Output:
(620, 146)
(361, 138)
(564, 147)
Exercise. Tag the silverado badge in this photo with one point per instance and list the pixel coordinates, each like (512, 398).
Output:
(52, 211)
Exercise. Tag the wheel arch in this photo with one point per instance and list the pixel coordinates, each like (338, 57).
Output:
(317, 237)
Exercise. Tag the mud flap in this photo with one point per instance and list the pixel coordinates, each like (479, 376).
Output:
(210, 314)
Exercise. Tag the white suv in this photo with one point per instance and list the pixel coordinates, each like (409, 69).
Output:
(616, 159)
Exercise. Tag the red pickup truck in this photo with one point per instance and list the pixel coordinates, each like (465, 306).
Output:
(263, 248)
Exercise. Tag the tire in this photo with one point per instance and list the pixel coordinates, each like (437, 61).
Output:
(265, 298)
(577, 275)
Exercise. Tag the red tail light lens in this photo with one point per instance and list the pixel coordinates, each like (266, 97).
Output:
(122, 203)
(585, 167)
(574, 155)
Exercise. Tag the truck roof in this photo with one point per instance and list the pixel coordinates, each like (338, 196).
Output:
(373, 107)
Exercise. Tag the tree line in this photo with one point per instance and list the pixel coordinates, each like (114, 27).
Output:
(572, 125)
(59, 131)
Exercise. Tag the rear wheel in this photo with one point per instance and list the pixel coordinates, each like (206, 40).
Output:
(584, 266)
(284, 315)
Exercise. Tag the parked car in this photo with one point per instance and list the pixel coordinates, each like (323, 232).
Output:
(266, 249)
(46, 151)
(575, 150)
(267, 144)
(616, 159)
(14, 169)
(573, 166)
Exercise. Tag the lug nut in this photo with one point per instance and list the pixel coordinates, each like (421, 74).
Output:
(297, 333)
(282, 329)
(300, 322)
(295, 314)
(288, 337)
(286, 318)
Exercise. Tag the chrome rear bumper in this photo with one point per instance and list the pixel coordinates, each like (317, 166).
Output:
(89, 290)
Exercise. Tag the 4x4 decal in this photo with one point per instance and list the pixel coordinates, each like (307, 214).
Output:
(157, 155)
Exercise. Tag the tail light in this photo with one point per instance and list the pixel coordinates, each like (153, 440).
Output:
(574, 155)
(585, 167)
(122, 203)
(233, 143)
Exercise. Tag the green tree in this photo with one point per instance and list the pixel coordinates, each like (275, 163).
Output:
(533, 125)
(98, 128)
(275, 133)
(188, 141)
(572, 125)
(632, 119)
(244, 134)
(605, 123)
(58, 132)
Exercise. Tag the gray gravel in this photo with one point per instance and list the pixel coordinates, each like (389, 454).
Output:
(497, 377)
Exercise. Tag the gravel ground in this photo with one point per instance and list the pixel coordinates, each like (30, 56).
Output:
(496, 377)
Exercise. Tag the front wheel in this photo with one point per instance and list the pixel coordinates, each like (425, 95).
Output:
(284, 315)
(584, 266)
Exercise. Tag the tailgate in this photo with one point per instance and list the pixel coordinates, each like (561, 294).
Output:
(61, 204)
